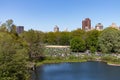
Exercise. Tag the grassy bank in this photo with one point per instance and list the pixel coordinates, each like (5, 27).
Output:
(58, 61)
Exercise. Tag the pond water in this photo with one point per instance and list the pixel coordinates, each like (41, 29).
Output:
(77, 71)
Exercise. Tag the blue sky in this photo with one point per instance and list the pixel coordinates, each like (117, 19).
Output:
(45, 14)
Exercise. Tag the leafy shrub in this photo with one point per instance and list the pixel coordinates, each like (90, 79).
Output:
(77, 44)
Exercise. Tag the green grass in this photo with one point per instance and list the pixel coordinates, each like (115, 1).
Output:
(59, 61)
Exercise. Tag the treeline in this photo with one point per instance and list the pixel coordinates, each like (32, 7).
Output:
(106, 41)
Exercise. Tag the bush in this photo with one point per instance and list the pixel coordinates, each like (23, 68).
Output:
(77, 45)
(92, 49)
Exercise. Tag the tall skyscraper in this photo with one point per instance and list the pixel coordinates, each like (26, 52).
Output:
(56, 28)
(20, 29)
(99, 27)
(86, 24)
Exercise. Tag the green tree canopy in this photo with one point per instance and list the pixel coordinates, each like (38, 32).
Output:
(78, 33)
(51, 38)
(109, 41)
(63, 38)
(35, 45)
(77, 44)
(13, 58)
(92, 40)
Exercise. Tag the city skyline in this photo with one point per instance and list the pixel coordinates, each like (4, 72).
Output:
(45, 14)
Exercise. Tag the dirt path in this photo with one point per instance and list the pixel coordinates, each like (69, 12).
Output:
(57, 46)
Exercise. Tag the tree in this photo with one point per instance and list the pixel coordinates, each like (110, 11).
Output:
(77, 44)
(3, 28)
(63, 38)
(35, 46)
(109, 41)
(13, 58)
(9, 24)
(57, 38)
(78, 33)
(51, 38)
(13, 30)
(92, 40)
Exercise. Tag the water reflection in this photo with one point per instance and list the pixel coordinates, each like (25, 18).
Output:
(78, 71)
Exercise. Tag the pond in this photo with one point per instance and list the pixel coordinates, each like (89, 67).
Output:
(77, 71)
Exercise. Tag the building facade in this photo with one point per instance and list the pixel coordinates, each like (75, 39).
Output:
(86, 24)
(20, 29)
(113, 25)
(56, 28)
(99, 27)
